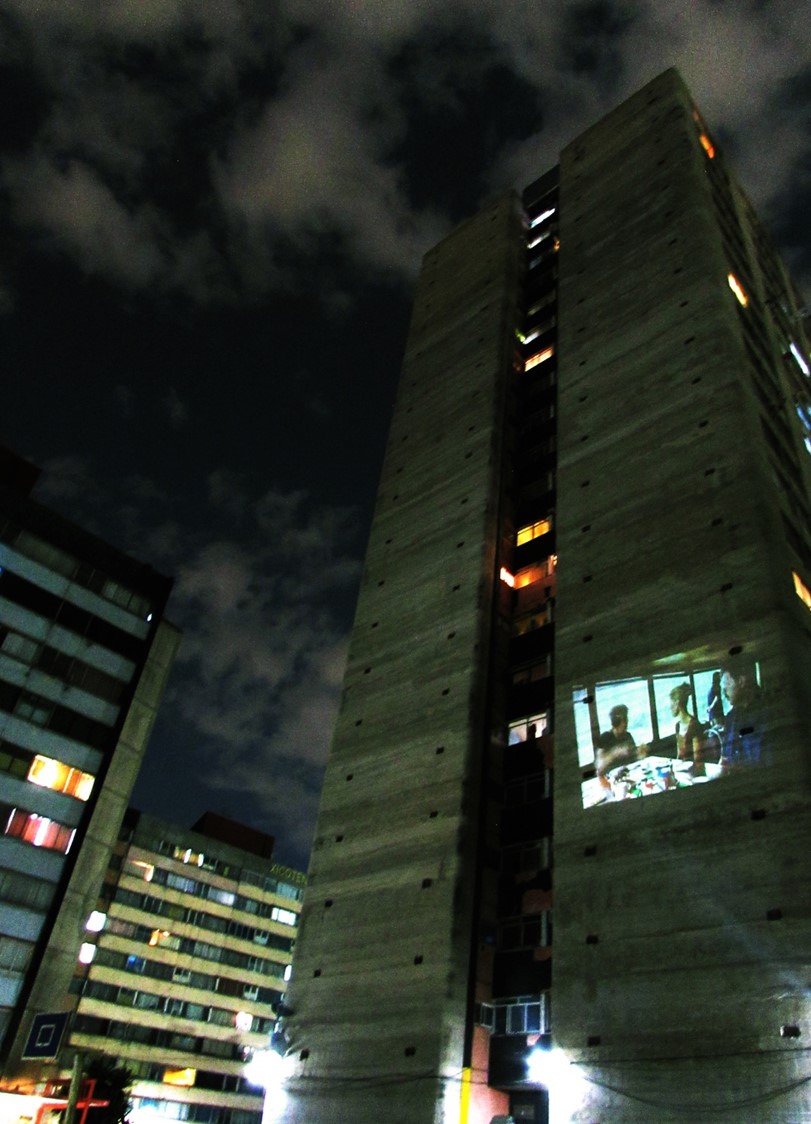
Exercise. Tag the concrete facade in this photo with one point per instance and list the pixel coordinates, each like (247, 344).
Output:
(598, 467)
(189, 954)
(84, 659)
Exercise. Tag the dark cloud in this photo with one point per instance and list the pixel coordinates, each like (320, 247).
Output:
(592, 40)
(263, 594)
(459, 103)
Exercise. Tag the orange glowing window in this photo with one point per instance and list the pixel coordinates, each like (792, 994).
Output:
(538, 357)
(536, 573)
(506, 577)
(533, 531)
(802, 590)
(738, 290)
(185, 1077)
(49, 773)
(707, 145)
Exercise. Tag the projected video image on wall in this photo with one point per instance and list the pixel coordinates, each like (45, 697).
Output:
(663, 731)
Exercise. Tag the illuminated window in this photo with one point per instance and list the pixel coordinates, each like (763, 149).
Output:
(540, 238)
(39, 831)
(187, 855)
(506, 577)
(707, 145)
(163, 938)
(96, 921)
(185, 1077)
(87, 953)
(538, 357)
(536, 573)
(528, 728)
(533, 531)
(285, 916)
(542, 217)
(288, 972)
(49, 773)
(798, 357)
(737, 289)
(141, 869)
(243, 1021)
(802, 590)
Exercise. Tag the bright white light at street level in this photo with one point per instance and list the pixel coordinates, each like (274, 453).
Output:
(266, 1069)
(565, 1082)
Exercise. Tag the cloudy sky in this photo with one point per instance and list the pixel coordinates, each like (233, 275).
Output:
(211, 217)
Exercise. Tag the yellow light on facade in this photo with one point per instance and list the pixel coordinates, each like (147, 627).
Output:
(185, 1077)
(506, 577)
(802, 590)
(533, 531)
(738, 290)
(707, 145)
(538, 357)
(45, 772)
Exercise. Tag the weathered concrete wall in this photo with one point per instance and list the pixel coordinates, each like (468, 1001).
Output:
(671, 553)
(382, 967)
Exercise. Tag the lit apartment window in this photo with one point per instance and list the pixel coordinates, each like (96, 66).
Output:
(802, 590)
(49, 773)
(799, 359)
(533, 531)
(538, 239)
(506, 577)
(163, 938)
(707, 145)
(284, 916)
(187, 855)
(38, 830)
(738, 290)
(536, 573)
(538, 357)
(184, 1077)
(87, 953)
(96, 921)
(542, 217)
(527, 729)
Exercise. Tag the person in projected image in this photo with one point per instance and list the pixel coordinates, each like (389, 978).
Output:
(689, 737)
(616, 746)
(715, 702)
(742, 739)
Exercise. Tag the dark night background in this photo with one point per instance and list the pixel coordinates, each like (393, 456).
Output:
(211, 219)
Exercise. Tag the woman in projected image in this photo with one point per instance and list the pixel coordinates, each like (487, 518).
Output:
(689, 738)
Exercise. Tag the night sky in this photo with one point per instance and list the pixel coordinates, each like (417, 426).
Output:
(211, 218)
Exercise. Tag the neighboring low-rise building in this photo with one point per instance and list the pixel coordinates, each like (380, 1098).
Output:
(186, 965)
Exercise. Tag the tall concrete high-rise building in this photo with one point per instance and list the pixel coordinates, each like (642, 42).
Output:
(592, 531)
(84, 658)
